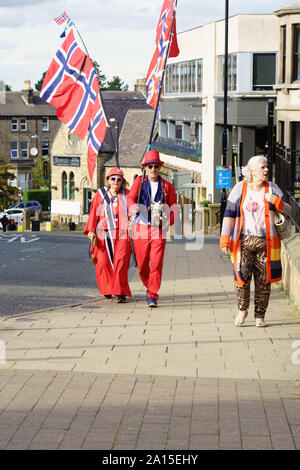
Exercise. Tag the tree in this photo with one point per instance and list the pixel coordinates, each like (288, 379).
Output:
(100, 75)
(4, 86)
(7, 192)
(116, 84)
(38, 173)
(39, 83)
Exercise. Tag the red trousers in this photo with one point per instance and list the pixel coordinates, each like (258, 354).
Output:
(113, 281)
(149, 249)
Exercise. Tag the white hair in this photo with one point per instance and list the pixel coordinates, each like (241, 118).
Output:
(252, 164)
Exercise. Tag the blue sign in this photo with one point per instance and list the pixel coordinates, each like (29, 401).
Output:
(223, 177)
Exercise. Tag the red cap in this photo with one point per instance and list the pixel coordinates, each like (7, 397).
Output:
(152, 156)
(115, 171)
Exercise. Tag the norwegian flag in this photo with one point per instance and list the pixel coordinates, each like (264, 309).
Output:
(62, 18)
(156, 68)
(96, 136)
(71, 86)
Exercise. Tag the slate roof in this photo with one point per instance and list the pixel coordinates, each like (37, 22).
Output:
(16, 106)
(134, 137)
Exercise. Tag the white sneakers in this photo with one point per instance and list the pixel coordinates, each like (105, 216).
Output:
(241, 318)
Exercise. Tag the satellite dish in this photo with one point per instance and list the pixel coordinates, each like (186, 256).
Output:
(34, 151)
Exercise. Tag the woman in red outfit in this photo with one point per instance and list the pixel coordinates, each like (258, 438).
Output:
(107, 224)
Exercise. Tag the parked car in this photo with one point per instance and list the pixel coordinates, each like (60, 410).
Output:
(32, 205)
(13, 214)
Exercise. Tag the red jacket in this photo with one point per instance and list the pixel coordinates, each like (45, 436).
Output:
(170, 198)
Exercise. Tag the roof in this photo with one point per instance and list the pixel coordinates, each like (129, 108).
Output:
(16, 106)
(134, 137)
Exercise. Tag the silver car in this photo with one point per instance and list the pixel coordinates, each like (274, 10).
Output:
(32, 205)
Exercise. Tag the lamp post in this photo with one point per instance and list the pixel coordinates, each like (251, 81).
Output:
(117, 146)
(224, 135)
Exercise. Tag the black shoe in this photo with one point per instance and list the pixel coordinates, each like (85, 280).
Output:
(122, 299)
(108, 296)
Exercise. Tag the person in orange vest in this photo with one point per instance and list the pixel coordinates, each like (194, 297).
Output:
(107, 228)
(153, 206)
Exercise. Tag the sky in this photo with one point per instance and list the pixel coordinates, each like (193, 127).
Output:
(118, 34)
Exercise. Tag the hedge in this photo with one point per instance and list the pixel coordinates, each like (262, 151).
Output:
(41, 195)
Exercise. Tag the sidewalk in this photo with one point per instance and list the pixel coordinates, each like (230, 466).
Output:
(103, 375)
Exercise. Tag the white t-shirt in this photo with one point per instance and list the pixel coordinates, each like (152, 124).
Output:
(254, 213)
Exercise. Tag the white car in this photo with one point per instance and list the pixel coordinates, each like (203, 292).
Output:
(13, 214)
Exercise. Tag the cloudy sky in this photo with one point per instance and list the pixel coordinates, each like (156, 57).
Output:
(119, 34)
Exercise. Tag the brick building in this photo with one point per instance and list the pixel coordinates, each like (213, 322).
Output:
(28, 126)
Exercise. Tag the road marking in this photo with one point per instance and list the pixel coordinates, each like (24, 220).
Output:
(12, 239)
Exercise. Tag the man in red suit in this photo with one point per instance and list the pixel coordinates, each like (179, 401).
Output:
(153, 204)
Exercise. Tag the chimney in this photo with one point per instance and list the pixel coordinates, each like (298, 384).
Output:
(140, 86)
(27, 92)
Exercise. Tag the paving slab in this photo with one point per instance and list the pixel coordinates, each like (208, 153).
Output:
(101, 375)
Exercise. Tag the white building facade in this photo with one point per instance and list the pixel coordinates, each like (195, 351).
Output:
(192, 105)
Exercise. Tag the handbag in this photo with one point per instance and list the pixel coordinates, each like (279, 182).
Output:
(282, 223)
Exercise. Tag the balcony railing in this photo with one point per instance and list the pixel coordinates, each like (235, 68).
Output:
(178, 147)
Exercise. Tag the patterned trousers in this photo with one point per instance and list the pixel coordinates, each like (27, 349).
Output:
(253, 261)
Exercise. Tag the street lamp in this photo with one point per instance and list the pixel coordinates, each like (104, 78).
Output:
(224, 135)
(117, 146)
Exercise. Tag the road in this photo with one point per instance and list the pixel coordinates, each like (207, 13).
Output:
(44, 269)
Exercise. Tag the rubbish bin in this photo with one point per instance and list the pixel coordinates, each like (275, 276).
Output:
(11, 225)
(35, 227)
(72, 225)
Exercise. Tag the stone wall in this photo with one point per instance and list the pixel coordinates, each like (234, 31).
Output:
(290, 259)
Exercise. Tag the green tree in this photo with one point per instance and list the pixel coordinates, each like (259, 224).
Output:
(39, 83)
(100, 75)
(4, 86)
(7, 192)
(38, 179)
(116, 84)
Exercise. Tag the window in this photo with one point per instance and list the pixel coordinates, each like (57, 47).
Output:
(72, 184)
(264, 71)
(178, 131)
(87, 200)
(23, 124)
(45, 124)
(283, 53)
(281, 132)
(45, 148)
(14, 124)
(64, 185)
(296, 53)
(22, 181)
(231, 75)
(14, 149)
(24, 149)
(184, 77)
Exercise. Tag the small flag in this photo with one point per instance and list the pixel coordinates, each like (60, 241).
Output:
(64, 18)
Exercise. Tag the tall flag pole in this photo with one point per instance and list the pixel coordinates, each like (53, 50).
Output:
(166, 46)
(71, 85)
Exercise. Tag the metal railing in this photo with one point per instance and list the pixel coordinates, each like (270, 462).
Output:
(178, 147)
(287, 177)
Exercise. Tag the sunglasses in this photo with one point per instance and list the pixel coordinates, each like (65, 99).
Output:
(153, 166)
(113, 178)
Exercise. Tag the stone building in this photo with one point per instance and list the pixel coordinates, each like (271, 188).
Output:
(71, 190)
(28, 126)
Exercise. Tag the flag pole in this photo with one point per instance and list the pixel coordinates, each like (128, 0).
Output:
(100, 93)
(162, 78)
(158, 97)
